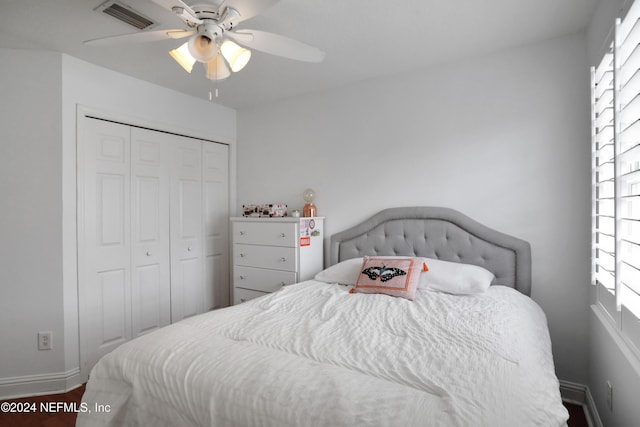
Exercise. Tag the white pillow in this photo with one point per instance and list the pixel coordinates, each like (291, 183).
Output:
(344, 273)
(455, 278)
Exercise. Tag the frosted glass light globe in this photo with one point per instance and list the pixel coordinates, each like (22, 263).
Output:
(309, 195)
(202, 48)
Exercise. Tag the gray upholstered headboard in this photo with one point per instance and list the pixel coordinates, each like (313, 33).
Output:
(441, 233)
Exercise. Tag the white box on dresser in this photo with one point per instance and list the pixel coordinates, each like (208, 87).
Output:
(269, 253)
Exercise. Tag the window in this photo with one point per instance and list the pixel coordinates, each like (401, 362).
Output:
(616, 177)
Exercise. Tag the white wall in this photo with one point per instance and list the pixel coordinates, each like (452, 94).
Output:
(31, 214)
(503, 138)
(38, 274)
(609, 357)
(611, 361)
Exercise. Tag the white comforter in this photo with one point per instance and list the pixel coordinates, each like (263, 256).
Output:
(314, 355)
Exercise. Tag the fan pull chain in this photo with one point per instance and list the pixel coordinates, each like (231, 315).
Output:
(211, 92)
(213, 89)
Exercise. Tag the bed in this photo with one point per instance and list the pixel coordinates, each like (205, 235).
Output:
(316, 354)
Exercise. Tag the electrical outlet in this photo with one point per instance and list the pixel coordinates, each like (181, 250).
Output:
(610, 396)
(44, 340)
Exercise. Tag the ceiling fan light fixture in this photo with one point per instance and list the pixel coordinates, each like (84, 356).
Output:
(202, 48)
(183, 57)
(217, 69)
(236, 56)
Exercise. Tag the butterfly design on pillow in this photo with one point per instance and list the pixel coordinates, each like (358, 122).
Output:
(384, 273)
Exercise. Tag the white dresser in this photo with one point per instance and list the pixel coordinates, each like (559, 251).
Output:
(269, 253)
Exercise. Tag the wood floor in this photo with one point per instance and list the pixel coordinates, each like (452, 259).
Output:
(577, 418)
(47, 417)
(68, 419)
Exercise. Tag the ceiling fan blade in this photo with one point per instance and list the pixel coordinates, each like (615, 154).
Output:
(242, 38)
(178, 34)
(142, 37)
(275, 44)
(249, 8)
(181, 9)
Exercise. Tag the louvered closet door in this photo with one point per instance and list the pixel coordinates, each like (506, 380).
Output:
(215, 169)
(187, 286)
(151, 285)
(105, 289)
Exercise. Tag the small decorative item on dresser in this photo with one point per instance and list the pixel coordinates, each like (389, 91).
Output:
(265, 210)
(309, 209)
(274, 210)
(295, 213)
(251, 210)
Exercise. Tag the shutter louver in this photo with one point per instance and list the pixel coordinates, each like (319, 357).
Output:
(628, 36)
(604, 241)
(616, 177)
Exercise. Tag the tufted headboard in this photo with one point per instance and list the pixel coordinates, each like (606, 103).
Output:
(441, 233)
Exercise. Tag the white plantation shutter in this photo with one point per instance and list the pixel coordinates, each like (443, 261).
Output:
(628, 178)
(616, 177)
(604, 242)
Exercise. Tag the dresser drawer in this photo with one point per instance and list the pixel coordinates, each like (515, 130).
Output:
(273, 257)
(264, 233)
(260, 279)
(243, 295)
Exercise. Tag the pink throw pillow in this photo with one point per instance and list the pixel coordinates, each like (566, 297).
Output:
(397, 277)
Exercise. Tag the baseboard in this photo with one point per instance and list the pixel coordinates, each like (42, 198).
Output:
(592, 410)
(573, 392)
(37, 385)
(579, 394)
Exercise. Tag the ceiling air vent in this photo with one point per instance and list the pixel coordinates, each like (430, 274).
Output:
(126, 14)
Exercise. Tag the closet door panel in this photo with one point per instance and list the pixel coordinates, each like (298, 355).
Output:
(105, 261)
(187, 290)
(148, 294)
(189, 206)
(113, 310)
(111, 210)
(151, 281)
(191, 280)
(215, 161)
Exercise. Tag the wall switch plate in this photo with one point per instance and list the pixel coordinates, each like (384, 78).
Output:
(44, 340)
(610, 396)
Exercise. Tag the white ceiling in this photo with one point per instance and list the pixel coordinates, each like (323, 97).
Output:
(362, 39)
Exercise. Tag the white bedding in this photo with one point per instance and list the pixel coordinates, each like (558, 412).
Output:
(314, 355)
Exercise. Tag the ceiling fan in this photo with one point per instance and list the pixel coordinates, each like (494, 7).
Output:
(213, 39)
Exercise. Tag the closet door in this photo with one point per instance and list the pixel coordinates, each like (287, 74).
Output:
(215, 165)
(153, 232)
(105, 251)
(151, 285)
(187, 287)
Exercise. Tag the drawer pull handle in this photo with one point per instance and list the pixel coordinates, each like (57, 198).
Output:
(241, 255)
(242, 300)
(241, 277)
(283, 259)
(189, 249)
(283, 284)
(242, 233)
(148, 253)
(283, 235)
